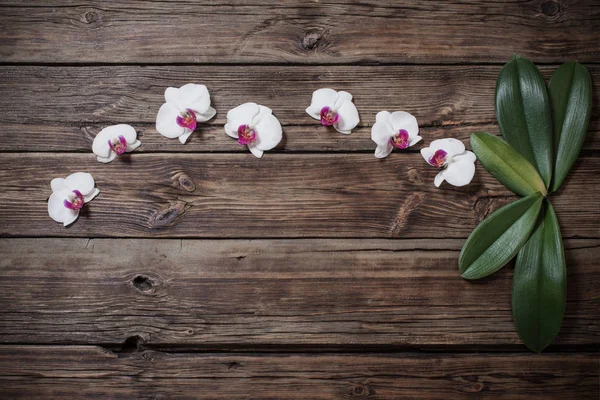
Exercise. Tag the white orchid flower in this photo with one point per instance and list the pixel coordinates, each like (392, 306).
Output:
(458, 165)
(184, 108)
(394, 130)
(334, 109)
(113, 141)
(255, 126)
(69, 195)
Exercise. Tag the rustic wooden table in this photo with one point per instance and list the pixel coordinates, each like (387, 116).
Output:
(317, 272)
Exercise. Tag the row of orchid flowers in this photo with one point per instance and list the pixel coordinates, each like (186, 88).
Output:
(256, 127)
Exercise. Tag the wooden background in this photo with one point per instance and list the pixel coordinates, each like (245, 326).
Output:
(317, 272)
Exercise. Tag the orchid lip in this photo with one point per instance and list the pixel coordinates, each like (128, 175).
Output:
(118, 144)
(329, 116)
(74, 200)
(246, 134)
(400, 140)
(438, 159)
(187, 119)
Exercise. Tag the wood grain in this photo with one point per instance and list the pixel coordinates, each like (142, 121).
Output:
(244, 293)
(76, 371)
(316, 272)
(294, 195)
(63, 108)
(318, 32)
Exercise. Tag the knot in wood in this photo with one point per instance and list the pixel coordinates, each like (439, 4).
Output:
(414, 176)
(168, 215)
(551, 8)
(90, 17)
(478, 387)
(312, 39)
(233, 365)
(361, 391)
(143, 283)
(132, 344)
(184, 182)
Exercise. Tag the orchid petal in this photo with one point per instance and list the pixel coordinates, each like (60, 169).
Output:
(382, 130)
(58, 184)
(231, 130)
(461, 170)
(321, 98)
(134, 145)
(100, 146)
(172, 96)
(127, 131)
(406, 121)
(191, 95)
(263, 112)
(90, 196)
(72, 217)
(205, 116)
(348, 117)
(258, 153)
(439, 178)
(108, 159)
(82, 181)
(451, 146)
(383, 150)
(183, 138)
(414, 140)
(166, 123)
(241, 115)
(58, 212)
(384, 117)
(467, 156)
(268, 133)
(341, 99)
(380, 133)
(427, 153)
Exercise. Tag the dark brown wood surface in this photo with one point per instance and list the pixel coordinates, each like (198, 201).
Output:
(76, 371)
(280, 195)
(316, 272)
(336, 293)
(332, 31)
(73, 103)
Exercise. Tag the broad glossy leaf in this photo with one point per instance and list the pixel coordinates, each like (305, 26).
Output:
(539, 284)
(499, 237)
(506, 164)
(523, 113)
(570, 93)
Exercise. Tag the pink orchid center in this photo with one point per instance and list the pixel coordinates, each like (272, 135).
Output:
(74, 200)
(329, 116)
(438, 159)
(187, 119)
(246, 134)
(400, 140)
(118, 144)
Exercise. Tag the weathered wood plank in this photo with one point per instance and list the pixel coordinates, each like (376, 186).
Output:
(294, 195)
(334, 293)
(212, 138)
(387, 31)
(62, 108)
(76, 371)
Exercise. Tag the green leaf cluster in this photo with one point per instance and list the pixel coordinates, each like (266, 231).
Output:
(543, 130)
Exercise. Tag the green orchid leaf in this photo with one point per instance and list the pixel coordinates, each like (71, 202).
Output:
(523, 113)
(499, 237)
(539, 284)
(506, 164)
(570, 93)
